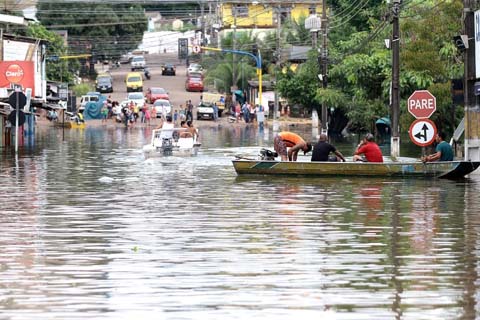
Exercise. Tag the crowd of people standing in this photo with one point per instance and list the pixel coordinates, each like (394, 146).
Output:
(248, 113)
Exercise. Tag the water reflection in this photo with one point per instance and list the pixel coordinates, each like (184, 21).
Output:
(89, 225)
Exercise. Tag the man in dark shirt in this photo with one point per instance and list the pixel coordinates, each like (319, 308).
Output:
(322, 150)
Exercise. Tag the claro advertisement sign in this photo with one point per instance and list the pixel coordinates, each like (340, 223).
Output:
(17, 73)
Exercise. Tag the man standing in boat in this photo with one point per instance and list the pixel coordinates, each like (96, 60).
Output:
(322, 150)
(443, 151)
(294, 142)
(167, 124)
(369, 149)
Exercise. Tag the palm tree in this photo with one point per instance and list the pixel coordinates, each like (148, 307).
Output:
(223, 67)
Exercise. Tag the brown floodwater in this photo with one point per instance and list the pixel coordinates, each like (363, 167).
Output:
(91, 229)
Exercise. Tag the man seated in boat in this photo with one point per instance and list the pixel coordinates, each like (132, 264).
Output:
(78, 117)
(192, 130)
(369, 149)
(184, 133)
(293, 141)
(443, 151)
(321, 151)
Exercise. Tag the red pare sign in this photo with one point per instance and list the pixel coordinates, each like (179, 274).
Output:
(422, 104)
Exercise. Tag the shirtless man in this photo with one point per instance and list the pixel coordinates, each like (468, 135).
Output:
(185, 133)
(192, 130)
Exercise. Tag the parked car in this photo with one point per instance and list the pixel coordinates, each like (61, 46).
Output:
(126, 58)
(138, 63)
(162, 107)
(104, 83)
(204, 111)
(194, 84)
(196, 74)
(155, 93)
(168, 69)
(134, 82)
(194, 67)
(137, 98)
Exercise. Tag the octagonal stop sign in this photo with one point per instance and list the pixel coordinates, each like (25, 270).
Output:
(422, 104)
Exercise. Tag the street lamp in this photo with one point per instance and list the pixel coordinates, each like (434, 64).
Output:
(313, 23)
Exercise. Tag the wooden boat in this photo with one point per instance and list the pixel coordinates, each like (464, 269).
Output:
(167, 142)
(68, 120)
(448, 169)
(70, 124)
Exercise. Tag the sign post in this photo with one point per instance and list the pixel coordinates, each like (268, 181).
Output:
(422, 132)
(422, 104)
(15, 74)
(196, 49)
(17, 100)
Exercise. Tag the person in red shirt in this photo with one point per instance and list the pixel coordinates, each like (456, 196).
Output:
(294, 142)
(369, 149)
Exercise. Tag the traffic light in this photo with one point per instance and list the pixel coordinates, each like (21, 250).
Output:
(254, 49)
(94, 58)
(182, 48)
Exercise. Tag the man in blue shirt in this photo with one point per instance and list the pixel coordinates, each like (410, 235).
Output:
(443, 151)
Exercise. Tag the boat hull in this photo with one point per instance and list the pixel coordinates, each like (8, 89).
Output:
(176, 151)
(164, 144)
(70, 125)
(449, 170)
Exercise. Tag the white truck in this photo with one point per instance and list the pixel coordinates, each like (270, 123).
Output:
(211, 98)
(138, 63)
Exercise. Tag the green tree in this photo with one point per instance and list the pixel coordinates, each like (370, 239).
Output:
(109, 30)
(300, 87)
(61, 70)
(359, 74)
(429, 58)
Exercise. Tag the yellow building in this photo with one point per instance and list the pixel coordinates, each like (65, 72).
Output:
(263, 14)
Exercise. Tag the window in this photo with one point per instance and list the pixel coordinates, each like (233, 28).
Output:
(284, 15)
(241, 11)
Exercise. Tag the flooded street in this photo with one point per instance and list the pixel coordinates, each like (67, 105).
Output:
(90, 229)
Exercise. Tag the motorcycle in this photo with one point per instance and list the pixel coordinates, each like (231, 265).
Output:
(146, 72)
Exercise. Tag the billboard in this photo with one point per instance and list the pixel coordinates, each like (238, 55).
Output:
(17, 73)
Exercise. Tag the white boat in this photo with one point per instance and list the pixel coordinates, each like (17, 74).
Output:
(168, 142)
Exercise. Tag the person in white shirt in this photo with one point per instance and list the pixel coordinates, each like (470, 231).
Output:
(260, 115)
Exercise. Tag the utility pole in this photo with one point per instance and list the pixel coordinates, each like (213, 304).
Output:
(277, 67)
(395, 140)
(471, 146)
(324, 64)
(210, 22)
(202, 26)
(234, 45)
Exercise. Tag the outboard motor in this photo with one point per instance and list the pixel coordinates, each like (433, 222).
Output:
(167, 146)
(266, 154)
